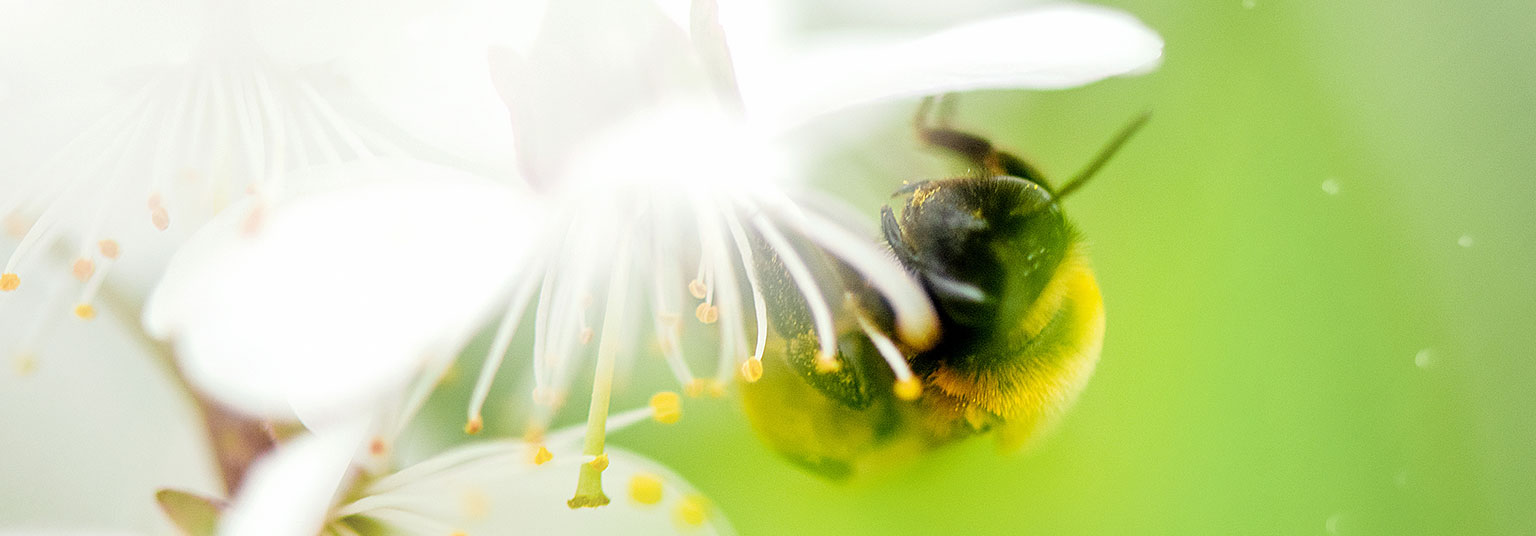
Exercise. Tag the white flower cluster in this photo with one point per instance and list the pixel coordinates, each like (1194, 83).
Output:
(351, 193)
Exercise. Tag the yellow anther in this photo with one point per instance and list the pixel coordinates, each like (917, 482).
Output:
(9, 282)
(695, 388)
(160, 218)
(474, 426)
(85, 311)
(542, 455)
(378, 447)
(666, 407)
(909, 389)
(693, 510)
(108, 248)
(826, 364)
(697, 289)
(599, 463)
(707, 313)
(82, 269)
(645, 488)
(716, 389)
(752, 370)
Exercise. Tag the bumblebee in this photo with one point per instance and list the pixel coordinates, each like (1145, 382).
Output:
(1021, 321)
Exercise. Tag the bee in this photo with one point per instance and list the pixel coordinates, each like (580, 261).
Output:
(1021, 321)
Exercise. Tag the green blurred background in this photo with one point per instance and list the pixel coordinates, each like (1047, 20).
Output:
(1319, 263)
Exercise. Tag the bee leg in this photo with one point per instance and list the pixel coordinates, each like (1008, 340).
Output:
(973, 148)
(892, 231)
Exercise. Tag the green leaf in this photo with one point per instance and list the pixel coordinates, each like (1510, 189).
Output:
(195, 515)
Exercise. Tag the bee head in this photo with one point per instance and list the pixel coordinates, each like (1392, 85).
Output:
(984, 248)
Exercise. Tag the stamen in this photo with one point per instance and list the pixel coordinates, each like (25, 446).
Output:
(666, 407)
(82, 269)
(752, 369)
(497, 353)
(759, 306)
(160, 218)
(108, 248)
(85, 311)
(696, 287)
(693, 510)
(916, 320)
(907, 386)
(821, 314)
(645, 488)
(668, 328)
(542, 455)
(9, 281)
(706, 313)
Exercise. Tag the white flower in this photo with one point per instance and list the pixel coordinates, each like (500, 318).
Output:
(93, 432)
(664, 151)
(654, 151)
(492, 487)
(115, 152)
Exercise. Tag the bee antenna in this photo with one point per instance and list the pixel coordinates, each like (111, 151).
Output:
(1104, 155)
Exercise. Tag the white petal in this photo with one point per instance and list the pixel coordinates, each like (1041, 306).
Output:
(93, 427)
(343, 290)
(290, 490)
(1051, 46)
(500, 492)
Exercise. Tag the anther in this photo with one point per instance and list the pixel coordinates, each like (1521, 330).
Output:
(909, 389)
(715, 388)
(474, 426)
(9, 282)
(707, 313)
(82, 269)
(542, 455)
(645, 488)
(108, 248)
(752, 370)
(827, 363)
(586, 335)
(599, 463)
(693, 510)
(160, 218)
(697, 289)
(666, 407)
(378, 447)
(85, 311)
(695, 388)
